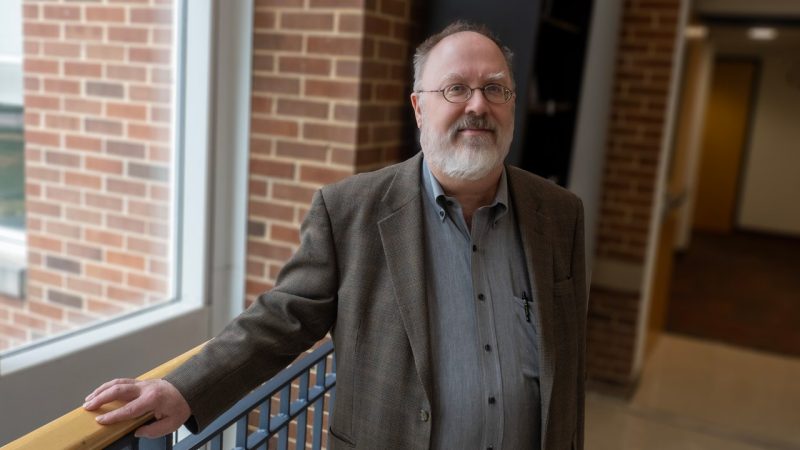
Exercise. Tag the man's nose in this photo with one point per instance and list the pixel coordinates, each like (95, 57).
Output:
(477, 103)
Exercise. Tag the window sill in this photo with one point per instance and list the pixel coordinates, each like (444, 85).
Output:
(153, 325)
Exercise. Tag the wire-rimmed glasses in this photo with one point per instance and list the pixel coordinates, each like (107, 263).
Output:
(460, 93)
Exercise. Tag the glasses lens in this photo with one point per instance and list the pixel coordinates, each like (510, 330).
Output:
(457, 93)
(495, 93)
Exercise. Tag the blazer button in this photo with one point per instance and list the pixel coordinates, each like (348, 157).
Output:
(424, 415)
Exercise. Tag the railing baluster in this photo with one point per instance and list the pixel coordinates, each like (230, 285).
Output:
(316, 433)
(261, 398)
(302, 419)
(241, 432)
(286, 400)
(319, 406)
(332, 383)
(216, 441)
(263, 419)
(162, 443)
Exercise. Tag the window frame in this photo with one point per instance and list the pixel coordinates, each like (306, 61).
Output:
(213, 140)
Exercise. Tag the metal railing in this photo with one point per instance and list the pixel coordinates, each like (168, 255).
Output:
(294, 395)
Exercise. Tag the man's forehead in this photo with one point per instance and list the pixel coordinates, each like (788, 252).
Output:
(466, 37)
(465, 54)
(455, 77)
(466, 41)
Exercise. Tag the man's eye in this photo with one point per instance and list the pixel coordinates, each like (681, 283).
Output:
(456, 89)
(493, 89)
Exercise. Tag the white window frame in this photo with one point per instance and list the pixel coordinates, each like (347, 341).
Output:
(44, 381)
(12, 241)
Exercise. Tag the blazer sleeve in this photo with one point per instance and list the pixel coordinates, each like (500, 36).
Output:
(581, 307)
(281, 324)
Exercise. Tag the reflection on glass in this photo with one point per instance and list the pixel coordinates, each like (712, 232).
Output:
(87, 113)
(12, 168)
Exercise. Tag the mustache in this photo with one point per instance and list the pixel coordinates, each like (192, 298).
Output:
(472, 121)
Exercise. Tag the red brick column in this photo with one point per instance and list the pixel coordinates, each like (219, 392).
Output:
(639, 114)
(330, 95)
(331, 80)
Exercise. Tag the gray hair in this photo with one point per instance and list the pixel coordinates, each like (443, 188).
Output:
(459, 26)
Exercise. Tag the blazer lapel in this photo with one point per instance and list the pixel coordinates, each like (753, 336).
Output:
(538, 256)
(402, 236)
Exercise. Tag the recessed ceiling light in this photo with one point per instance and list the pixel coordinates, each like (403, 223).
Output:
(762, 33)
(695, 32)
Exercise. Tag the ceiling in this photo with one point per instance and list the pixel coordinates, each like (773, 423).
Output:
(734, 38)
(729, 20)
(748, 8)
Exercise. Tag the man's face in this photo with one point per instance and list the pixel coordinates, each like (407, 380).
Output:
(464, 140)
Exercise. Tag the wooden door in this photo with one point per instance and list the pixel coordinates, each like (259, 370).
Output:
(724, 141)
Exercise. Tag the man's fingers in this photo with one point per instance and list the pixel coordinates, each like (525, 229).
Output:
(132, 410)
(143, 397)
(123, 392)
(107, 385)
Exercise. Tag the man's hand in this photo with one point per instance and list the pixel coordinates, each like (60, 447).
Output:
(157, 396)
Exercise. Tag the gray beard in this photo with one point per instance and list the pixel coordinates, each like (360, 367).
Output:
(472, 158)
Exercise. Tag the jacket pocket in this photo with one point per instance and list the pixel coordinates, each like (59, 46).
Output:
(339, 440)
(563, 287)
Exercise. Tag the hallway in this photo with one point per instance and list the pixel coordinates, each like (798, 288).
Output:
(698, 394)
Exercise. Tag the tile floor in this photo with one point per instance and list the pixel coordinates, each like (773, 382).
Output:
(697, 394)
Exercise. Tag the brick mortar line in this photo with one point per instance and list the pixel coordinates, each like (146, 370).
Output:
(48, 253)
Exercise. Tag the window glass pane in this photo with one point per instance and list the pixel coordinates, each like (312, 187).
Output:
(12, 168)
(12, 165)
(88, 184)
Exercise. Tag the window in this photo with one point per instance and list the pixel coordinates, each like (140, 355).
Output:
(188, 192)
(95, 169)
(12, 159)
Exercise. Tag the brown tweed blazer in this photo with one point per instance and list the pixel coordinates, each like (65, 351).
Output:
(359, 274)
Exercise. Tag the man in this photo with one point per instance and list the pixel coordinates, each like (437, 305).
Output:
(453, 288)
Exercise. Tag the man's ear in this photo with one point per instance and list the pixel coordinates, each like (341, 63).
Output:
(416, 103)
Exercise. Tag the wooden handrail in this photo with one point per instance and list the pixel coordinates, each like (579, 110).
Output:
(78, 428)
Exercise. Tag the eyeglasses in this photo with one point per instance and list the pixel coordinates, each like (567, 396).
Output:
(460, 93)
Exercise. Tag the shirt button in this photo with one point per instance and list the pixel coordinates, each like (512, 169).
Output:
(491, 400)
(474, 248)
(424, 415)
(441, 213)
(487, 347)
(481, 297)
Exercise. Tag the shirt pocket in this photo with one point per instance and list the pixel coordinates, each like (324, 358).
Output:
(525, 336)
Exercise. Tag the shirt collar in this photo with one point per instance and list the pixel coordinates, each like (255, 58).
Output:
(435, 192)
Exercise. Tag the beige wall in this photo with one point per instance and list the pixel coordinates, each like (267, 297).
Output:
(771, 181)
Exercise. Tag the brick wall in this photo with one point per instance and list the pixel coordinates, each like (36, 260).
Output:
(98, 149)
(329, 99)
(639, 113)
